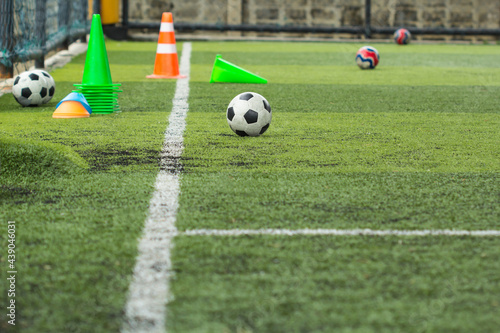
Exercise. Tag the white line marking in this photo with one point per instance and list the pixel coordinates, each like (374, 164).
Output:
(145, 310)
(339, 232)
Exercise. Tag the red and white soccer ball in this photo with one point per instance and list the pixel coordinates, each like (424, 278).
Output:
(33, 88)
(402, 36)
(367, 57)
(249, 114)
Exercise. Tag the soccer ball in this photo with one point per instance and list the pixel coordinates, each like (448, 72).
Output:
(402, 36)
(51, 85)
(367, 57)
(29, 89)
(249, 114)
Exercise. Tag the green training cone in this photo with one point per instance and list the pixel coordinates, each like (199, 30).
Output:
(224, 71)
(96, 71)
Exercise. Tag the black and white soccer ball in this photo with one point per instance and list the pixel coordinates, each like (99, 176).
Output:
(30, 88)
(51, 84)
(249, 114)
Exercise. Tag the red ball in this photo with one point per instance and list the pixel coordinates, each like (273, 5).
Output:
(402, 36)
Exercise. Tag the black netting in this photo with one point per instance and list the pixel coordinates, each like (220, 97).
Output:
(29, 29)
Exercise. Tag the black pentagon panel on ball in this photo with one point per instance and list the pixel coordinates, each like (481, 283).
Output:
(264, 128)
(251, 116)
(45, 74)
(246, 97)
(241, 133)
(34, 77)
(16, 81)
(230, 113)
(52, 90)
(43, 92)
(26, 92)
(267, 106)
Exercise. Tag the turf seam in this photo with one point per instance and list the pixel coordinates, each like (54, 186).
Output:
(145, 310)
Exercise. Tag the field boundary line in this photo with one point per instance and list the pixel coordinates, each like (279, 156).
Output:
(149, 292)
(340, 232)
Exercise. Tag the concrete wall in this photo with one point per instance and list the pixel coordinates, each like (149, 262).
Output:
(393, 13)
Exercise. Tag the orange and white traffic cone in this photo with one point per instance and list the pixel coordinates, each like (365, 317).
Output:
(166, 62)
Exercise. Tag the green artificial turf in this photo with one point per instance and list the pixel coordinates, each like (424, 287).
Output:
(335, 284)
(348, 142)
(76, 245)
(335, 47)
(346, 58)
(409, 145)
(333, 64)
(23, 159)
(349, 74)
(78, 191)
(298, 200)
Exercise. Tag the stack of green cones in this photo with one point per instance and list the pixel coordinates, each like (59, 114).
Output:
(97, 87)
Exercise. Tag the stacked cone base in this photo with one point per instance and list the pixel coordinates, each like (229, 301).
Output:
(97, 86)
(103, 99)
